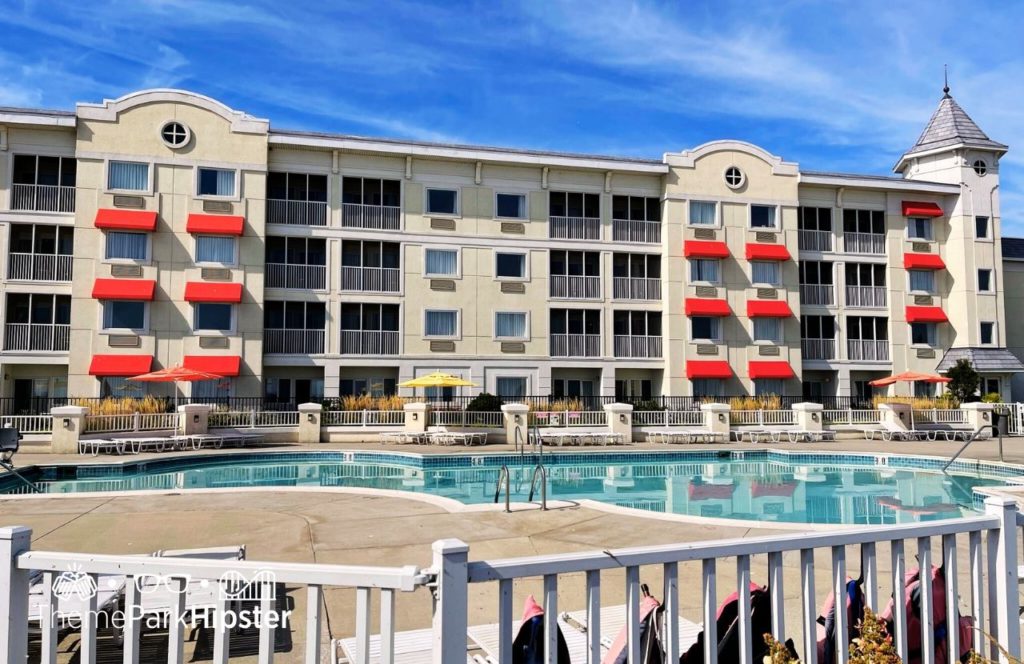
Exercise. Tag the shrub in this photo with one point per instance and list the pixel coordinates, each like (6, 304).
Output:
(992, 397)
(648, 404)
(964, 380)
(124, 405)
(367, 402)
(484, 403)
(946, 401)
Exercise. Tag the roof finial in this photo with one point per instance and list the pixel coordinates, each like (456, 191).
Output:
(945, 80)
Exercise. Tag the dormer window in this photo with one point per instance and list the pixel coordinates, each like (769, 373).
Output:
(980, 167)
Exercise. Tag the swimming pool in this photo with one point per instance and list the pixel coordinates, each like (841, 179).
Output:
(762, 485)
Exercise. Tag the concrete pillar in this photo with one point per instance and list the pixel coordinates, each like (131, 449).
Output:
(309, 423)
(194, 418)
(897, 414)
(416, 417)
(978, 415)
(807, 416)
(716, 417)
(620, 419)
(517, 418)
(68, 427)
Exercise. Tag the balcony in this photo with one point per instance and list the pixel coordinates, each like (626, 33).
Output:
(39, 267)
(36, 337)
(815, 240)
(372, 217)
(868, 350)
(818, 349)
(376, 342)
(637, 346)
(298, 213)
(371, 279)
(575, 288)
(624, 230)
(574, 228)
(636, 288)
(575, 345)
(42, 198)
(866, 296)
(304, 277)
(294, 342)
(864, 243)
(817, 295)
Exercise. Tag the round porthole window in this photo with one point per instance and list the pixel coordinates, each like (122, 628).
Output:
(175, 134)
(980, 167)
(734, 177)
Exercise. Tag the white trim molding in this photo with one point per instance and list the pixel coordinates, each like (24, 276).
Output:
(109, 109)
(689, 158)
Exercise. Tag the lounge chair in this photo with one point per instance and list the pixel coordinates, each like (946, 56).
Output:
(795, 435)
(412, 647)
(155, 598)
(888, 431)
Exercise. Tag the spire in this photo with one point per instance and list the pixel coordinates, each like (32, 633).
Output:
(945, 81)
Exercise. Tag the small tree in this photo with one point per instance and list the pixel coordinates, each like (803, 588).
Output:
(964, 380)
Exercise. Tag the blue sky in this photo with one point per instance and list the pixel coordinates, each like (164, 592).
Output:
(833, 86)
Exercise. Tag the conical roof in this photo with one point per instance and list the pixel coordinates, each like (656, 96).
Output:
(950, 125)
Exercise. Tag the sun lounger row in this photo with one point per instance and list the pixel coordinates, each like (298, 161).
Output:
(684, 435)
(435, 436)
(569, 436)
(780, 434)
(888, 431)
(139, 444)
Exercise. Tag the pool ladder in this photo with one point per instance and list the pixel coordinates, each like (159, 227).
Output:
(995, 430)
(539, 471)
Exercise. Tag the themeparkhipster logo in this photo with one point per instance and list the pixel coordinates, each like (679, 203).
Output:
(159, 597)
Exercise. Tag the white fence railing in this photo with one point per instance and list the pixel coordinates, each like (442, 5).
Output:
(818, 349)
(940, 416)
(302, 213)
(761, 417)
(817, 294)
(254, 419)
(42, 197)
(29, 423)
(569, 418)
(574, 228)
(866, 296)
(811, 240)
(363, 418)
(297, 276)
(668, 418)
(39, 267)
(305, 342)
(850, 416)
(636, 288)
(575, 287)
(467, 419)
(374, 217)
(37, 336)
(576, 345)
(630, 345)
(130, 422)
(371, 279)
(869, 350)
(370, 342)
(624, 230)
(864, 243)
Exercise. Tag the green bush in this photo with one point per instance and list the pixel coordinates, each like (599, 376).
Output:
(992, 397)
(484, 403)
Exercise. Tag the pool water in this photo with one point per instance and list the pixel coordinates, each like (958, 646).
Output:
(762, 486)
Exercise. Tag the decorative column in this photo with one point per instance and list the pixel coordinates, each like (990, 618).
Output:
(897, 414)
(68, 427)
(416, 416)
(808, 416)
(516, 419)
(194, 418)
(309, 423)
(978, 415)
(620, 419)
(716, 417)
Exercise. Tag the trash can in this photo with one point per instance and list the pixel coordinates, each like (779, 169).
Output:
(1001, 423)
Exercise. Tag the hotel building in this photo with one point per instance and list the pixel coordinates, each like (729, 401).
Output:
(164, 228)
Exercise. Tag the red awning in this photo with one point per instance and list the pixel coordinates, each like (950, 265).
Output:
(766, 489)
(222, 365)
(124, 289)
(126, 220)
(923, 262)
(120, 365)
(705, 249)
(913, 209)
(215, 224)
(770, 369)
(708, 369)
(696, 306)
(926, 315)
(768, 309)
(701, 491)
(767, 252)
(200, 291)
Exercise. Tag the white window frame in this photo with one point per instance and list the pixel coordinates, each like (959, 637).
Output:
(779, 327)
(526, 205)
(692, 264)
(910, 335)
(933, 290)
(494, 325)
(150, 168)
(988, 227)
(129, 261)
(442, 215)
(497, 376)
(209, 197)
(458, 325)
(458, 261)
(124, 330)
(765, 229)
(778, 274)
(991, 280)
(717, 223)
(694, 339)
(230, 390)
(526, 265)
(214, 333)
(995, 333)
(195, 251)
(931, 229)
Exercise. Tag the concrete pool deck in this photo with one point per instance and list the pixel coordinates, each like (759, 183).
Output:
(350, 528)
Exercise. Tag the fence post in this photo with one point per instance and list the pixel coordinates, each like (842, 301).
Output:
(366, 416)
(1004, 570)
(136, 421)
(451, 608)
(14, 600)
(252, 418)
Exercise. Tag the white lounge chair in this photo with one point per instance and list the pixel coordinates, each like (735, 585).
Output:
(156, 598)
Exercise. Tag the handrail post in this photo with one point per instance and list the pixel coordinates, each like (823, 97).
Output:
(451, 610)
(14, 601)
(1004, 569)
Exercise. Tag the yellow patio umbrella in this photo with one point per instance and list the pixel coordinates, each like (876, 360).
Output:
(436, 379)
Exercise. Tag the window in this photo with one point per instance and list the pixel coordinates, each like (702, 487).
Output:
(762, 216)
(128, 176)
(440, 324)
(127, 246)
(863, 221)
(707, 387)
(981, 227)
(985, 281)
(764, 272)
(991, 386)
(924, 390)
(922, 281)
(573, 204)
(510, 387)
(637, 323)
(215, 249)
(734, 177)
(768, 329)
(919, 229)
(44, 170)
(371, 191)
(216, 182)
(636, 208)
(124, 315)
(175, 134)
(705, 328)
(704, 269)
(511, 325)
(441, 262)
(571, 387)
(815, 219)
(510, 206)
(980, 167)
(212, 317)
(923, 334)
(373, 386)
(702, 213)
(119, 386)
(297, 187)
(211, 390)
(509, 266)
(442, 201)
(764, 387)
(988, 333)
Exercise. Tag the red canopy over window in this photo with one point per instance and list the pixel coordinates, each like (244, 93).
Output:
(926, 315)
(768, 309)
(696, 306)
(767, 252)
(708, 369)
(215, 224)
(913, 209)
(120, 365)
(200, 291)
(705, 249)
(923, 262)
(770, 369)
(124, 289)
(701, 491)
(222, 365)
(126, 220)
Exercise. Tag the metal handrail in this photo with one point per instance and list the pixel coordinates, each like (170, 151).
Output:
(540, 470)
(971, 440)
(504, 476)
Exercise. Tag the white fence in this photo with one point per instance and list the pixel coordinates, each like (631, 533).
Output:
(29, 423)
(668, 418)
(363, 418)
(254, 419)
(761, 417)
(940, 416)
(570, 418)
(131, 422)
(850, 416)
(467, 419)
